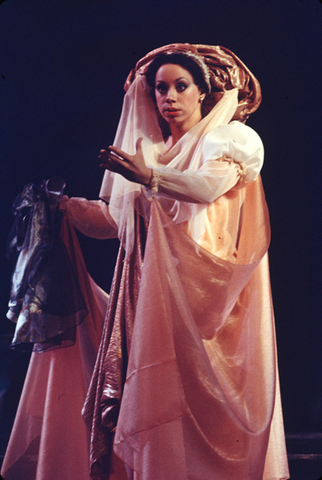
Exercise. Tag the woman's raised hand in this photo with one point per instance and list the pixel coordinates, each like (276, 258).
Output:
(131, 167)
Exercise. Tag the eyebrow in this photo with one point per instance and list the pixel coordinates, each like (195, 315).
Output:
(176, 80)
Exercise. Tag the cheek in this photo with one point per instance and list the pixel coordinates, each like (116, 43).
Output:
(190, 99)
(158, 101)
(193, 98)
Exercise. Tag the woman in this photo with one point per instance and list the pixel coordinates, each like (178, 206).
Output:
(186, 382)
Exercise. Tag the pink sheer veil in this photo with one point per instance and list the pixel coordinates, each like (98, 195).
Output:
(139, 119)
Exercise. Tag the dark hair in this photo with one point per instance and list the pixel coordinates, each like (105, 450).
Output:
(176, 58)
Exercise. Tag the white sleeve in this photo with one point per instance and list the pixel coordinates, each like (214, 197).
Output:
(91, 217)
(232, 154)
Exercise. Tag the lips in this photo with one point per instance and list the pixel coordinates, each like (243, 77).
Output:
(172, 111)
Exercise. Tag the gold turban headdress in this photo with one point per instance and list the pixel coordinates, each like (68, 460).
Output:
(226, 71)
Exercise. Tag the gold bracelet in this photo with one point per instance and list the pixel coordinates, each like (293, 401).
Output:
(154, 182)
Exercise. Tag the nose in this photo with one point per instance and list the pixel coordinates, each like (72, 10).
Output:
(171, 95)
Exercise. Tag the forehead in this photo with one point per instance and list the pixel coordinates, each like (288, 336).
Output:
(170, 72)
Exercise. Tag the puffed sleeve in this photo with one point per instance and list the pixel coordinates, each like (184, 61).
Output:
(91, 217)
(232, 156)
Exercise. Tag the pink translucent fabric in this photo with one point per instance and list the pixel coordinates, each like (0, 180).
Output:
(201, 397)
(49, 440)
(138, 119)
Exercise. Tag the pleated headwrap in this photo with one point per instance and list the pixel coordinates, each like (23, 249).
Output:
(226, 71)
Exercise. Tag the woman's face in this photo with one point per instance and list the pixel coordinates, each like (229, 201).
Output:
(177, 97)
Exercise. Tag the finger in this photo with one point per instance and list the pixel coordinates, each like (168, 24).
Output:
(113, 162)
(118, 152)
(103, 154)
(112, 167)
(110, 157)
(139, 145)
(103, 158)
(106, 158)
(103, 165)
(116, 158)
(107, 167)
(107, 153)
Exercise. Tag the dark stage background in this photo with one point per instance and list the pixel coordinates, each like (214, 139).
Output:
(62, 68)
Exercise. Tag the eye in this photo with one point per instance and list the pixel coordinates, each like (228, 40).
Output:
(160, 88)
(181, 87)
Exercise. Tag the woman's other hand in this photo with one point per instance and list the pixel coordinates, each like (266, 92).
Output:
(63, 203)
(131, 167)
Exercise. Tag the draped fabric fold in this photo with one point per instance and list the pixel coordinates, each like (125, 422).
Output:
(45, 301)
(195, 404)
(201, 396)
(103, 399)
(49, 438)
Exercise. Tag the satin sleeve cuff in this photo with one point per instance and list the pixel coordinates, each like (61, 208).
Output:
(91, 217)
